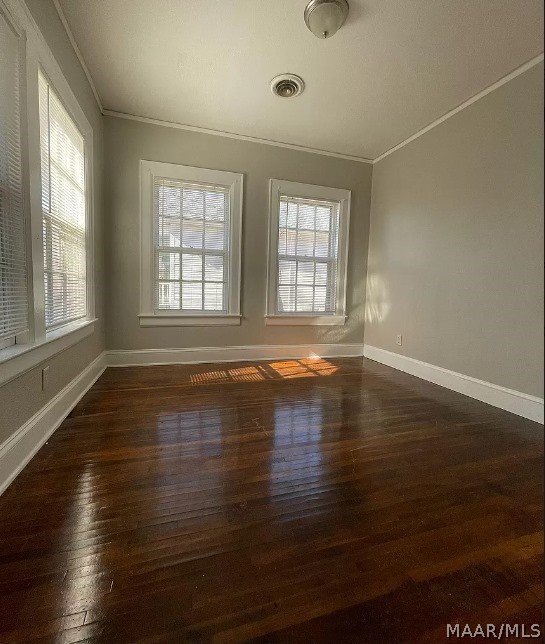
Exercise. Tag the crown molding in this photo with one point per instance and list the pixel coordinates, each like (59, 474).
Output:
(517, 72)
(232, 135)
(301, 148)
(78, 53)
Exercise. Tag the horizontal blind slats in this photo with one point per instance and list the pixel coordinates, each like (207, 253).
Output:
(308, 240)
(13, 279)
(63, 205)
(191, 246)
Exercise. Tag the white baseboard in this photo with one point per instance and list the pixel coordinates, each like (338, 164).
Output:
(510, 400)
(231, 354)
(19, 448)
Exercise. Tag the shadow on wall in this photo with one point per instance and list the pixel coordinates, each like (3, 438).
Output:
(378, 302)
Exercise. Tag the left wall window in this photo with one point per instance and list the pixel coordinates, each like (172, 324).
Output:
(63, 211)
(47, 299)
(13, 277)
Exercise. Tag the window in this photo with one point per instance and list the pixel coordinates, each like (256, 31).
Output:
(191, 227)
(63, 210)
(13, 280)
(308, 244)
(46, 218)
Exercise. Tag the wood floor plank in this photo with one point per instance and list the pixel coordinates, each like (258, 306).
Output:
(284, 501)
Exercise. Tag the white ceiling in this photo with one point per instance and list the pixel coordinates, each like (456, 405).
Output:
(396, 65)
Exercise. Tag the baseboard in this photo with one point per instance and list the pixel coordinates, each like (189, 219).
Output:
(19, 448)
(510, 400)
(231, 354)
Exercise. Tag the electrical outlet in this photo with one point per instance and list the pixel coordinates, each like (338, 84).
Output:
(45, 374)
(399, 340)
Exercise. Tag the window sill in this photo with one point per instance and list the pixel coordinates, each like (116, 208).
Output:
(19, 358)
(305, 320)
(189, 320)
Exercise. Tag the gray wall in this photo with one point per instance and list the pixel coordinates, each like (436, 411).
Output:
(129, 141)
(456, 241)
(22, 397)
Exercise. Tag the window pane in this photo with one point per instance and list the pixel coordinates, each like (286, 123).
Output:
(213, 297)
(67, 201)
(192, 296)
(322, 244)
(169, 266)
(213, 268)
(168, 295)
(321, 274)
(168, 233)
(214, 236)
(193, 204)
(215, 203)
(305, 243)
(320, 294)
(305, 273)
(292, 215)
(286, 298)
(283, 214)
(191, 267)
(286, 271)
(286, 242)
(323, 218)
(306, 217)
(169, 201)
(304, 298)
(192, 235)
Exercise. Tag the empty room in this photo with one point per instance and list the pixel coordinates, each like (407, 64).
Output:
(271, 321)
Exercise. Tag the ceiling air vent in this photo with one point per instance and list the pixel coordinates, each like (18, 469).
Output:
(287, 86)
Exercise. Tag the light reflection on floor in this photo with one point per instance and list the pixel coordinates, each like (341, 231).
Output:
(301, 368)
(199, 431)
(84, 586)
(297, 456)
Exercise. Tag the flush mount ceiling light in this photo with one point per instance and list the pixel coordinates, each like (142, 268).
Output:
(325, 17)
(287, 85)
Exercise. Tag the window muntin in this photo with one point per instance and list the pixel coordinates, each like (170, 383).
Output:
(13, 274)
(191, 245)
(63, 211)
(308, 245)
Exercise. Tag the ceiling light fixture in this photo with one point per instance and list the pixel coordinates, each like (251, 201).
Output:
(287, 85)
(325, 17)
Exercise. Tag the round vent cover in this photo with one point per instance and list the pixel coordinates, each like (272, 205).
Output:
(287, 85)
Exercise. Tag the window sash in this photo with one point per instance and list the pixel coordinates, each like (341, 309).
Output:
(330, 260)
(14, 295)
(181, 250)
(64, 212)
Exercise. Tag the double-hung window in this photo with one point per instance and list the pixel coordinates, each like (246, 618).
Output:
(46, 250)
(13, 280)
(308, 245)
(191, 228)
(63, 211)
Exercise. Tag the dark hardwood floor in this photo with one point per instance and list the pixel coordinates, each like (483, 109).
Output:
(287, 501)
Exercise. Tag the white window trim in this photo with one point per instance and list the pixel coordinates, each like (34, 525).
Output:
(294, 189)
(43, 345)
(234, 182)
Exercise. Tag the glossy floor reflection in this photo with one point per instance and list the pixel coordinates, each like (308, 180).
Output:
(288, 501)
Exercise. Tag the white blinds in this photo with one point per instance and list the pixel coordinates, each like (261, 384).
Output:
(63, 208)
(308, 241)
(13, 284)
(191, 243)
